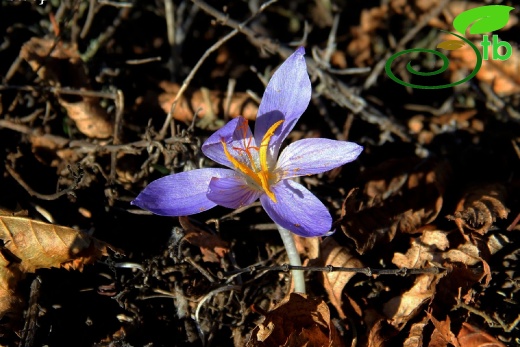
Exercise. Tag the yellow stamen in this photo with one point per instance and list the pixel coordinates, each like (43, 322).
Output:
(240, 166)
(261, 178)
(265, 143)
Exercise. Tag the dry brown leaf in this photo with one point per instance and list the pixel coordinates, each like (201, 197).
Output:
(470, 336)
(36, 245)
(480, 207)
(442, 336)
(424, 249)
(30, 245)
(400, 309)
(296, 321)
(213, 248)
(331, 253)
(398, 195)
(212, 102)
(60, 65)
(415, 336)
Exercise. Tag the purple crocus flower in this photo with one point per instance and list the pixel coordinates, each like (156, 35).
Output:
(255, 171)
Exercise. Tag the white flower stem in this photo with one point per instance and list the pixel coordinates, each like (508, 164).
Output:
(294, 259)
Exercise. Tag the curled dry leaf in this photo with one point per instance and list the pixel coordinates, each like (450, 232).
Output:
(423, 249)
(61, 66)
(480, 207)
(210, 103)
(296, 321)
(398, 195)
(470, 336)
(400, 309)
(213, 248)
(331, 253)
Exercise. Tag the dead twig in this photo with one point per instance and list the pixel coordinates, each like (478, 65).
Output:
(34, 193)
(213, 48)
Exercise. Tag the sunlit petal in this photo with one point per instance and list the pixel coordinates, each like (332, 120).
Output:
(286, 97)
(313, 156)
(232, 192)
(297, 210)
(180, 194)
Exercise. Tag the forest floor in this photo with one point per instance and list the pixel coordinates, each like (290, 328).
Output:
(87, 122)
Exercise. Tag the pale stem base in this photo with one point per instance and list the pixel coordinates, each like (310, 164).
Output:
(294, 259)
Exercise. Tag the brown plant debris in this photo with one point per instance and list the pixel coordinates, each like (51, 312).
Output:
(60, 66)
(296, 321)
(331, 253)
(213, 248)
(210, 103)
(470, 336)
(480, 207)
(401, 309)
(397, 195)
(30, 245)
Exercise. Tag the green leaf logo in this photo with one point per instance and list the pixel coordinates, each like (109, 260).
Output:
(451, 45)
(485, 18)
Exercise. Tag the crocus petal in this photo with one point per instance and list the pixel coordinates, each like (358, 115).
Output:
(231, 192)
(238, 137)
(297, 210)
(286, 97)
(180, 194)
(312, 156)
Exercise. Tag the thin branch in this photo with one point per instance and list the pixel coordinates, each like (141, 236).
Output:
(202, 59)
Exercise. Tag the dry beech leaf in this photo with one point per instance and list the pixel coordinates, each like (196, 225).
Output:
(210, 103)
(480, 207)
(296, 321)
(30, 245)
(213, 248)
(423, 249)
(331, 253)
(470, 336)
(36, 245)
(400, 309)
(442, 336)
(503, 75)
(62, 66)
(415, 336)
(398, 195)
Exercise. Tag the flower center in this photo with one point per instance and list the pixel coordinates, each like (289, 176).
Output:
(260, 176)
